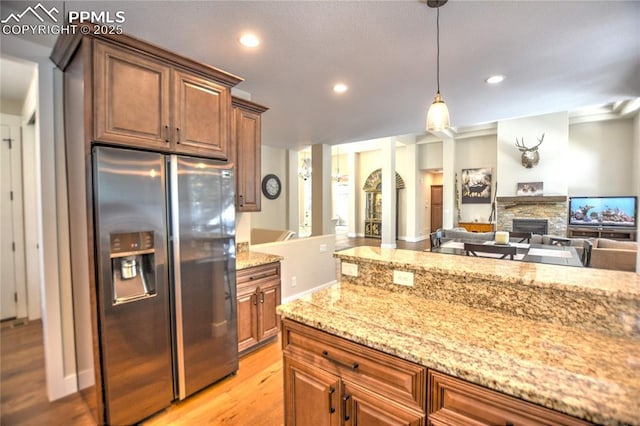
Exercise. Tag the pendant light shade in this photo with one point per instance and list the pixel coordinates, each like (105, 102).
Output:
(438, 115)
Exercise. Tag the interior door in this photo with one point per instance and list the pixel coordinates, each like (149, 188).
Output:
(7, 252)
(436, 207)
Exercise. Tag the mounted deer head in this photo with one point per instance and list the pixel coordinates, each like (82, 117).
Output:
(530, 156)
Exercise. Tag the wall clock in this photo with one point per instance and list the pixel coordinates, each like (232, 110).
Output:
(271, 186)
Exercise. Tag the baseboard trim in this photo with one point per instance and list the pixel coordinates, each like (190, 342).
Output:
(306, 292)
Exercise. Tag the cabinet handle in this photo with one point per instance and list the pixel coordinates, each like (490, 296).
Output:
(257, 277)
(345, 399)
(241, 200)
(508, 424)
(331, 392)
(254, 296)
(166, 134)
(354, 366)
(262, 297)
(177, 134)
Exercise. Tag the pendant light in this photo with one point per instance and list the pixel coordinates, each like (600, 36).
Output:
(438, 115)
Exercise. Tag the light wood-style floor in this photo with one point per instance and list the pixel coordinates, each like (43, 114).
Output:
(252, 397)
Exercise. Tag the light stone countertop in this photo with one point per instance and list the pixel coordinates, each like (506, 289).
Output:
(249, 259)
(618, 283)
(586, 374)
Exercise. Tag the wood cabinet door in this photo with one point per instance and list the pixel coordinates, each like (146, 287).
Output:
(268, 318)
(201, 109)
(247, 318)
(131, 98)
(248, 141)
(364, 408)
(312, 396)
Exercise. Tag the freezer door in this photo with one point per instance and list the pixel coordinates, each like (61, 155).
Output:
(135, 335)
(203, 226)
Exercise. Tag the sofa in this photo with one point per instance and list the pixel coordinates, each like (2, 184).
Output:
(605, 253)
(614, 254)
(263, 235)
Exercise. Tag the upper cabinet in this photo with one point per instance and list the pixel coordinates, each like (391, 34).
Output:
(144, 102)
(201, 116)
(142, 96)
(131, 98)
(246, 130)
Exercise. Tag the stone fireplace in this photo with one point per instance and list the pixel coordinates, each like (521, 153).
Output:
(551, 208)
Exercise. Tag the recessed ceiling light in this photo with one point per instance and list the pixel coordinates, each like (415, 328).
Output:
(495, 79)
(340, 88)
(249, 40)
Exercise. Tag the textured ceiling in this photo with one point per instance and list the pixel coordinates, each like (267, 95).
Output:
(557, 56)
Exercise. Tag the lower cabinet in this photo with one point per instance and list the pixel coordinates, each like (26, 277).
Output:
(258, 295)
(456, 402)
(332, 381)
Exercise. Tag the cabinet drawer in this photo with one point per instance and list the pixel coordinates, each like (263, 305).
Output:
(396, 379)
(454, 401)
(258, 273)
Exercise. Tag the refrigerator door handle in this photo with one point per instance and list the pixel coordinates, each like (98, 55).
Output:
(175, 238)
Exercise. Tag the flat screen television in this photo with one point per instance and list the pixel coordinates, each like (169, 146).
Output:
(603, 211)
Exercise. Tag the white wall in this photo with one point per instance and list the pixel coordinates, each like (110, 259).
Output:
(472, 153)
(274, 212)
(599, 162)
(430, 156)
(553, 167)
(309, 260)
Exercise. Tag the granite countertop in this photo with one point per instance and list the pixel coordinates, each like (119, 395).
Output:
(586, 374)
(569, 278)
(249, 259)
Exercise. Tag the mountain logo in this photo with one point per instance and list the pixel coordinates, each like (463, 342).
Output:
(34, 11)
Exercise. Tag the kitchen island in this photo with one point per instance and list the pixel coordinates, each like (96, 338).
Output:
(524, 330)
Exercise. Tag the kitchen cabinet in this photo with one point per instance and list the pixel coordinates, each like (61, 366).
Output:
(144, 102)
(332, 381)
(454, 401)
(258, 295)
(246, 134)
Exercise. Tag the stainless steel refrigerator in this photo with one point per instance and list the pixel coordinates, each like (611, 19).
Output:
(165, 250)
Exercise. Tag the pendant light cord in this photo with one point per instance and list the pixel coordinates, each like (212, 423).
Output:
(438, 47)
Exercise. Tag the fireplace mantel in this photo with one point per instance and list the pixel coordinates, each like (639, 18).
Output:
(533, 199)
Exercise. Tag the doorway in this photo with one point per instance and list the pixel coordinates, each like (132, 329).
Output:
(436, 207)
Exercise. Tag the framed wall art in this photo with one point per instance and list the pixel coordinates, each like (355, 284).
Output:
(529, 188)
(476, 186)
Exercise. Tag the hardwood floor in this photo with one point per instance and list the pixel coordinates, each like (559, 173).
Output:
(252, 397)
(344, 242)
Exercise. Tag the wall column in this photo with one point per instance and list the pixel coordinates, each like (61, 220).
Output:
(321, 188)
(292, 184)
(448, 181)
(389, 193)
(410, 174)
(353, 165)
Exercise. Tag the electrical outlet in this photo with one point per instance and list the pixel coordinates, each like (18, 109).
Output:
(350, 269)
(323, 248)
(294, 281)
(403, 278)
